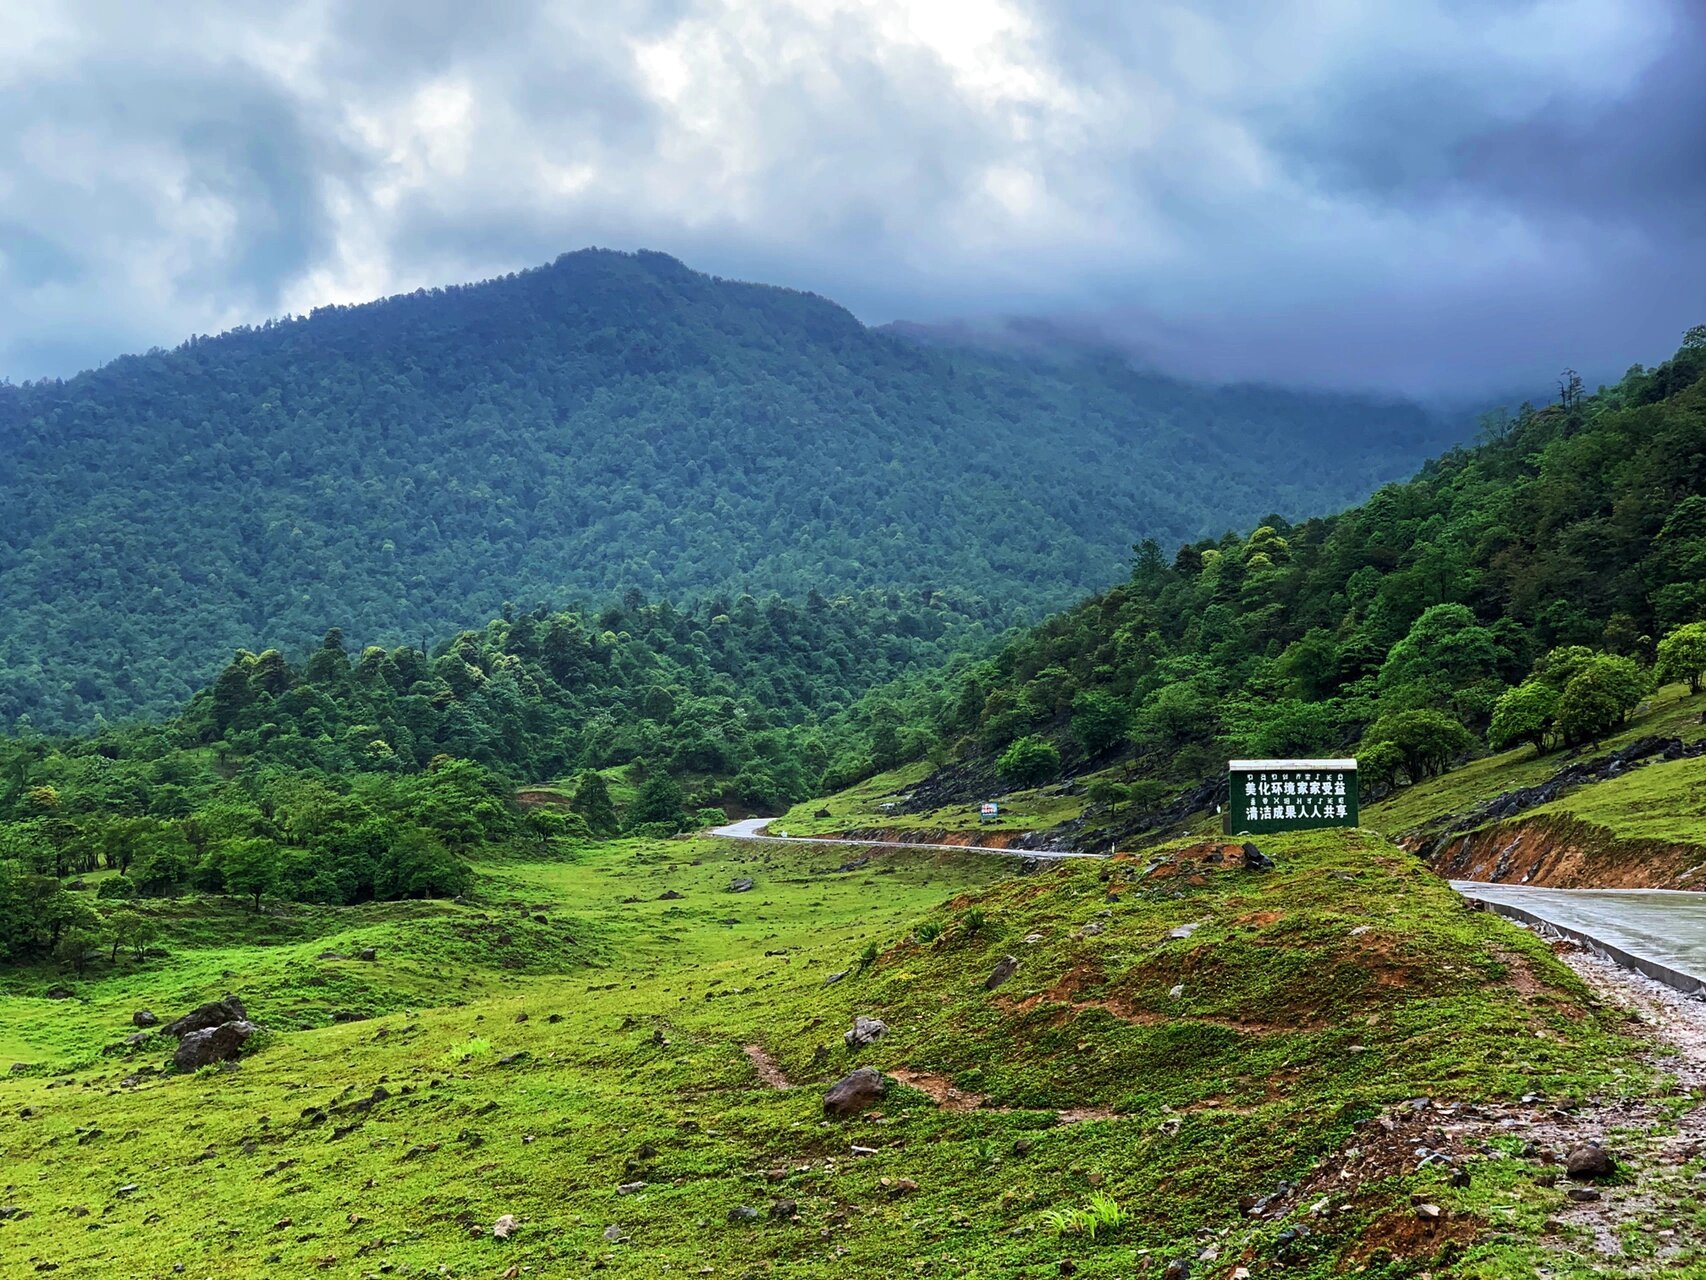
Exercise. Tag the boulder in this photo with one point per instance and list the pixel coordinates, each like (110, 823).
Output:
(58, 992)
(1256, 860)
(1004, 969)
(212, 1044)
(854, 1092)
(743, 884)
(670, 895)
(743, 1213)
(367, 953)
(1589, 1161)
(784, 1210)
(865, 1031)
(144, 1018)
(214, 1013)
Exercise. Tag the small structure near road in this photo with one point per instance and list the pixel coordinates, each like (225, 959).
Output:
(1290, 795)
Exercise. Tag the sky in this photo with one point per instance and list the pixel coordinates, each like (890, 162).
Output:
(1439, 197)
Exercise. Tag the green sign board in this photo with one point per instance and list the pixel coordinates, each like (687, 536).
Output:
(1290, 795)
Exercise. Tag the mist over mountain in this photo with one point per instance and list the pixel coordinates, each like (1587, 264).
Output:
(608, 423)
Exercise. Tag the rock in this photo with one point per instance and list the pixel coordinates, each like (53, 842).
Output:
(144, 1018)
(854, 1092)
(865, 1031)
(331, 955)
(1429, 1212)
(1184, 930)
(743, 1213)
(214, 1013)
(10, 1211)
(670, 895)
(784, 1210)
(212, 1044)
(854, 864)
(1583, 1195)
(630, 1188)
(834, 978)
(1022, 1146)
(742, 884)
(1589, 1161)
(1177, 1269)
(820, 813)
(522, 1016)
(899, 1187)
(367, 953)
(1004, 969)
(58, 992)
(1093, 929)
(1256, 860)
(615, 1234)
(1176, 990)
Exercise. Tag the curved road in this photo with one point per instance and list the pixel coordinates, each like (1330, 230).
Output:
(1659, 932)
(753, 829)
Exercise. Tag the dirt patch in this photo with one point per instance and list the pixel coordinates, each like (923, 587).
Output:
(1401, 1234)
(939, 1089)
(950, 1097)
(1565, 853)
(772, 1075)
(533, 798)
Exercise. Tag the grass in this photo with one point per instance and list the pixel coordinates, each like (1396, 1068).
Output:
(1211, 1066)
(860, 808)
(1670, 712)
(1664, 802)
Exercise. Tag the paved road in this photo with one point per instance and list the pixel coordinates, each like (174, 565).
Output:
(1661, 932)
(753, 829)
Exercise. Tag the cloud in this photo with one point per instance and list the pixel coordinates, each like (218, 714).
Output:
(1446, 195)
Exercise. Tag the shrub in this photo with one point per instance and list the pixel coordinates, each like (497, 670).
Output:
(1029, 761)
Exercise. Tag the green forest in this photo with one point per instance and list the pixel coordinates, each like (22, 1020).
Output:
(609, 423)
(1530, 588)
(346, 777)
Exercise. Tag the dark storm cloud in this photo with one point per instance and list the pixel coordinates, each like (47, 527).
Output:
(1440, 196)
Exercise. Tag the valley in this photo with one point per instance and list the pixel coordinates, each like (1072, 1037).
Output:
(1179, 1035)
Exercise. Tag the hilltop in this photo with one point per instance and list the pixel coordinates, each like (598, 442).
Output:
(607, 423)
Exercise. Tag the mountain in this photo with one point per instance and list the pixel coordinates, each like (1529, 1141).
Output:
(1535, 588)
(607, 423)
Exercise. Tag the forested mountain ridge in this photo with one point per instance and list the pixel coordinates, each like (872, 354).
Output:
(1532, 588)
(609, 422)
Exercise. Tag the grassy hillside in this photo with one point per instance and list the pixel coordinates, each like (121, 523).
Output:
(604, 424)
(1634, 826)
(1176, 1037)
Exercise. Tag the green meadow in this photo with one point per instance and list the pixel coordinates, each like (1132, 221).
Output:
(609, 1046)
